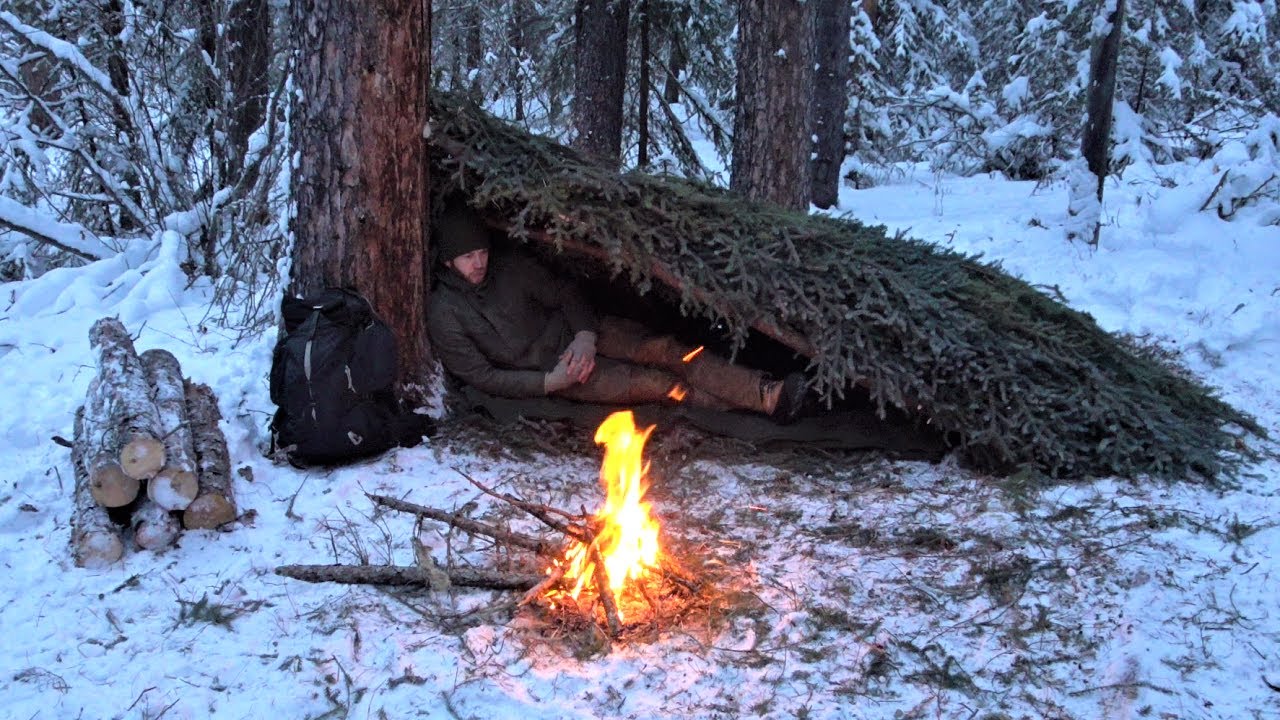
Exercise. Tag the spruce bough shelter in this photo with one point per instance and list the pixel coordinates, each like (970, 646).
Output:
(1018, 380)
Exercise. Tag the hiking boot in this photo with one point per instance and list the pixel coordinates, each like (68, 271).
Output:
(791, 402)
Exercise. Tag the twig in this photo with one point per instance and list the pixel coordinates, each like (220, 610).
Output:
(541, 587)
(541, 512)
(466, 524)
(1221, 181)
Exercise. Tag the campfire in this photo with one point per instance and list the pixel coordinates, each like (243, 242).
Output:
(607, 567)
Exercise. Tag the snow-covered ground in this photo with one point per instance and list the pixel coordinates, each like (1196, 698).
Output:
(849, 588)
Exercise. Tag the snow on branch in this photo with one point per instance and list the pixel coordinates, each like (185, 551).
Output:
(69, 54)
(69, 237)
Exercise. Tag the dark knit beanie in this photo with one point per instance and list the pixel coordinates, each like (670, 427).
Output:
(459, 231)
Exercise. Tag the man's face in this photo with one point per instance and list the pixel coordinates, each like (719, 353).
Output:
(472, 265)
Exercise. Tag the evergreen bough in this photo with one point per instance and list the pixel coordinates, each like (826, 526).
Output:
(1023, 381)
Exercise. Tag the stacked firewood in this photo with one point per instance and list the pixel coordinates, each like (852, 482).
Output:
(148, 455)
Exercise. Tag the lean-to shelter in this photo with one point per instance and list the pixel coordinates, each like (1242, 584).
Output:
(1016, 379)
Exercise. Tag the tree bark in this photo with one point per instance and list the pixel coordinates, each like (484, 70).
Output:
(126, 396)
(363, 69)
(771, 142)
(405, 575)
(107, 482)
(95, 539)
(600, 44)
(175, 486)
(830, 97)
(215, 504)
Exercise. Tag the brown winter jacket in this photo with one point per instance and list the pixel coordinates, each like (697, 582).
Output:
(505, 334)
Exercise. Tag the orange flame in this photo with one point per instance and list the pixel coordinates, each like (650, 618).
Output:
(627, 537)
(694, 353)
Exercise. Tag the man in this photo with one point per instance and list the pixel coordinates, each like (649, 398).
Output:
(505, 324)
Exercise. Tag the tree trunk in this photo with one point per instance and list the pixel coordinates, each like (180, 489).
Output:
(600, 44)
(244, 64)
(215, 504)
(516, 38)
(95, 539)
(643, 92)
(771, 142)
(1096, 143)
(175, 486)
(363, 69)
(126, 396)
(830, 97)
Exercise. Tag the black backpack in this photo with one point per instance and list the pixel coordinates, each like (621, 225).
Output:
(331, 376)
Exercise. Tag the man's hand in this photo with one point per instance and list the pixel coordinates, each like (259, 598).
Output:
(580, 355)
(559, 378)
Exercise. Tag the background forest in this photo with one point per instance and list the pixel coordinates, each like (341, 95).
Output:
(121, 119)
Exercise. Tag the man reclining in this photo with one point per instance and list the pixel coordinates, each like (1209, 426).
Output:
(503, 323)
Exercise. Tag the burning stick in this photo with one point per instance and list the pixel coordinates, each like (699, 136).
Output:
(611, 614)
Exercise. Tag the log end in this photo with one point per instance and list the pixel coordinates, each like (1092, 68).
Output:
(142, 457)
(98, 549)
(156, 535)
(208, 511)
(173, 488)
(109, 484)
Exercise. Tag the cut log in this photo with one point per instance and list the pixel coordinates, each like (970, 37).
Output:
(214, 504)
(127, 398)
(95, 540)
(405, 575)
(153, 527)
(95, 437)
(175, 486)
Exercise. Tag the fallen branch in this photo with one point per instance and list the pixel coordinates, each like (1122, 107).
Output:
(467, 525)
(541, 512)
(406, 575)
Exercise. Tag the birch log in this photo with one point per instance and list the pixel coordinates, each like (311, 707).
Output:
(215, 504)
(95, 439)
(153, 527)
(123, 383)
(95, 539)
(175, 486)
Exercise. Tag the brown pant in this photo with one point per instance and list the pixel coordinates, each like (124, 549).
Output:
(635, 365)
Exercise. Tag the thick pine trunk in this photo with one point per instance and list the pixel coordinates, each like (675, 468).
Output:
(771, 141)
(599, 80)
(175, 486)
(126, 397)
(215, 504)
(95, 539)
(830, 97)
(363, 70)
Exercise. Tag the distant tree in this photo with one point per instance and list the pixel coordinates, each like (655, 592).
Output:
(772, 135)
(830, 97)
(600, 75)
(1096, 141)
(361, 179)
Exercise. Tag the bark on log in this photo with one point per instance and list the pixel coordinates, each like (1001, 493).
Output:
(133, 413)
(405, 575)
(153, 527)
(95, 540)
(95, 439)
(175, 486)
(215, 504)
